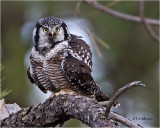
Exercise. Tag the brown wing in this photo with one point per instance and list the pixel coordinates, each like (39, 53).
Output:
(79, 74)
(80, 50)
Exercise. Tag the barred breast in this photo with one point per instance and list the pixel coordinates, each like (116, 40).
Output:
(53, 69)
(36, 71)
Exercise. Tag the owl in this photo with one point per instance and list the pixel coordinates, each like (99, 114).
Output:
(61, 61)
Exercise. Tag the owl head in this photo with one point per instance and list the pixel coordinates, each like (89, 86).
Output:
(48, 32)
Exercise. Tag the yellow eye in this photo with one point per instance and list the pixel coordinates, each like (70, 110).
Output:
(45, 29)
(57, 29)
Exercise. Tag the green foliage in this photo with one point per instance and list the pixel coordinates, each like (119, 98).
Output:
(6, 91)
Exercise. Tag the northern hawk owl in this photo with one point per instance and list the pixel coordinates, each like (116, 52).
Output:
(61, 61)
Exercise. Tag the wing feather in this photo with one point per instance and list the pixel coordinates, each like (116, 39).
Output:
(80, 50)
(79, 74)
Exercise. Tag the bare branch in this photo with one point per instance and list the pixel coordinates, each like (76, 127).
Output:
(145, 23)
(93, 42)
(100, 41)
(92, 36)
(123, 120)
(57, 110)
(119, 92)
(112, 3)
(109, 11)
(60, 108)
(78, 6)
(87, 30)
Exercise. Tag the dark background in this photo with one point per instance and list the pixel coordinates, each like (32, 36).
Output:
(133, 54)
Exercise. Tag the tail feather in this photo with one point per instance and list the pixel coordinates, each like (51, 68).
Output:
(100, 96)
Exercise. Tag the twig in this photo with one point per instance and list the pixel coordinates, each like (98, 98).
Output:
(78, 4)
(92, 36)
(87, 30)
(124, 16)
(112, 3)
(100, 41)
(93, 42)
(123, 120)
(145, 24)
(104, 103)
(109, 5)
(119, 92)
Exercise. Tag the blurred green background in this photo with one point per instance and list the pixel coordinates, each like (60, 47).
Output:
(133, 54)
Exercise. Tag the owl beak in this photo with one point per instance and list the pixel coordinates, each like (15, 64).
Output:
(52, 33)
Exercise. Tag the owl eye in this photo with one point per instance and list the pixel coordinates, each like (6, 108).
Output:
(57, 29)
(45, 29)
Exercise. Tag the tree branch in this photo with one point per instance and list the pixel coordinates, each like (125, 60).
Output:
(61, 107)
(120, 92)
(145, 23)
(124, 16)
(123, 120)
(87, 30)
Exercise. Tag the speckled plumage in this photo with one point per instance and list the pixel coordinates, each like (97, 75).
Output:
(62, 61)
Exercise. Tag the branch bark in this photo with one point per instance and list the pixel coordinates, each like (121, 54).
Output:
(60, 108)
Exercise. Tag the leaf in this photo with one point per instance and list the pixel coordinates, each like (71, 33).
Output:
(5, 93)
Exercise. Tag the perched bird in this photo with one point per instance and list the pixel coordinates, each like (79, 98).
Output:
(60, 61)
